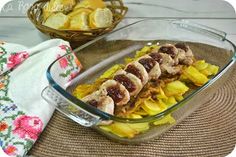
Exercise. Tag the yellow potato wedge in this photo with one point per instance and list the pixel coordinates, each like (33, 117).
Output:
(179, 97)
(161, 94)
(168, 119)
(128, 60)
(195, 76)
(139, 127)
(184, 79)
(175, 88)
(170, 101)
(200, 65)
(110, 72)
(106, 128)
(153, 107)
(123, 130)
(145, 50)
(134, 116)
(83, 90)
(141, 112)
(210, 70)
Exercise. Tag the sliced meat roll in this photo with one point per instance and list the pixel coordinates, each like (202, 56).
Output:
(166, 62)
(107, 105)
(169, 49)
(116, 91)
(101, 101)
(185, 54)
(181, 56)
(156, 56)
(132, 83)
(167, 65)
(151, 66)
(186, 48)
(138, 70)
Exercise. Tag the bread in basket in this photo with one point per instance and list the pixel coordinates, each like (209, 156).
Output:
(73, 31)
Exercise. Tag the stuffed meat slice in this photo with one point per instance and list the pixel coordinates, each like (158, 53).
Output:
(138, 70)
(151, 66)
(116, 91)
(132, 83)
(185, 54)
(168, 65)
(156, 56)
(169, 49)
(100, 100)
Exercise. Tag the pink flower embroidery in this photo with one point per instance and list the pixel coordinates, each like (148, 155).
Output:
(65, 47)
(28, 127)
(63, 62)
(16, 59)
(10, 150)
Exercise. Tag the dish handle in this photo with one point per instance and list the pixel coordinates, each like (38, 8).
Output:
(68, 108)
(201, 29)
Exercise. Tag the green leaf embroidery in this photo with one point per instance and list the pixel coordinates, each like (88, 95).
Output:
(8, 133)
(13, 117)
(3, 60)
(63, 75)
(19, 143)
(70, 58)
(28, 146)
(4, 98)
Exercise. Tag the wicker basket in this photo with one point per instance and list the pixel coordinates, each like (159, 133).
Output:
(76, 37)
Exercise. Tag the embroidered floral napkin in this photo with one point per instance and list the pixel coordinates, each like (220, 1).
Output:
(23, 113)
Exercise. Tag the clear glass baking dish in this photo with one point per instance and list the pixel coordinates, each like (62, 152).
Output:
(103, 52)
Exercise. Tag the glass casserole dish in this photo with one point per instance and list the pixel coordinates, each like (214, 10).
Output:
(100, 54)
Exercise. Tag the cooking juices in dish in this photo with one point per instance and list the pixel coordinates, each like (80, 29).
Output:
(156, 78)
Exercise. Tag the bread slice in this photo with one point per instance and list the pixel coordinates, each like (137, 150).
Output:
(79, 21)
(80, 10)
(64, 6)
(93, 4)
(57, 21)
(46, 11)
(54, 6)
(100, 18)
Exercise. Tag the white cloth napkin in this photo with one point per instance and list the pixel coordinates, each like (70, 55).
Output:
(23, 112)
